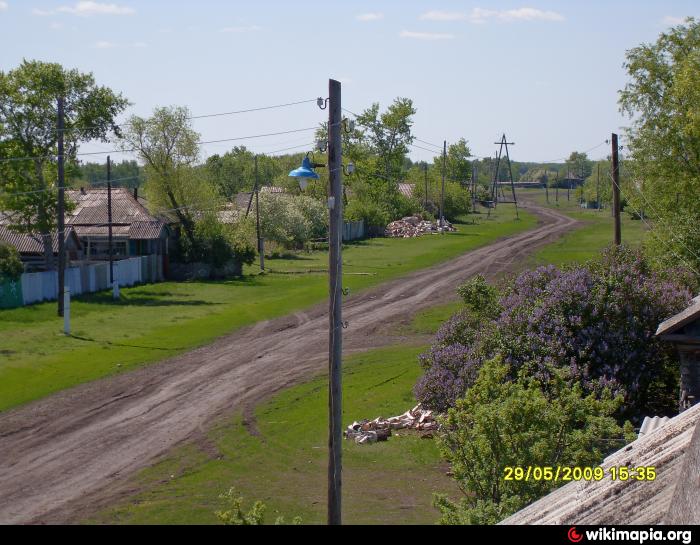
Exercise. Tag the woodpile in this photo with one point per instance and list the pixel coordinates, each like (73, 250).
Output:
(415, 226)
(379, 429)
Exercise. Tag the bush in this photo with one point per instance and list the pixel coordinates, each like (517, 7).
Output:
(217, 244)
(596, 320)
(234, 514)
(10, 262)
(292, 220)
(503, 423)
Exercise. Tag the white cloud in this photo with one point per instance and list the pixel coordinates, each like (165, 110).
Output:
(370, 17)
(239, 29)
(444, 16)
(670, 20)
(113, 45)
(429, 36)
(481, 15)
(3, 6)
(56, 26)
(88, 8)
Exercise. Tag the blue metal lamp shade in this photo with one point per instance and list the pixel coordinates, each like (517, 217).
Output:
(306, 170)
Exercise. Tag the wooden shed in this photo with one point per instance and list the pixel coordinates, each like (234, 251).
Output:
(683, 330)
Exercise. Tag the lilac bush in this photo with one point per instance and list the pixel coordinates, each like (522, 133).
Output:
(596, 320)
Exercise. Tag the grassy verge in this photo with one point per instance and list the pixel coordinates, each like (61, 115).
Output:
(285, 463)
(588, 240)
(153, 322)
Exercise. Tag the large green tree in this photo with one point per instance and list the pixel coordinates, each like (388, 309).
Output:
(169, 149)
(29, 138)
(662, 100)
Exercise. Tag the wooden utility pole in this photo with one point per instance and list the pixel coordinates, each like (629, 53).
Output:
(546, 185)
(568, 185)
(261, 242)
(475, 175)
(425, 172)
(61, 221)
(442, 193)
(597, 190)
(616, 190)
(109, 221)
(335, 233)
(556, 183)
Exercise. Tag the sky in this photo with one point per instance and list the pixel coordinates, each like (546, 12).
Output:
(545, 73)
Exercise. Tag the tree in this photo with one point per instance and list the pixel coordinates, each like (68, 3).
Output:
(662, 100)
(503, 423)
(579, 165)
(169, 148)
(28, 128)
(10, 262)
(458, 167)
(596, 320)
(388, 134)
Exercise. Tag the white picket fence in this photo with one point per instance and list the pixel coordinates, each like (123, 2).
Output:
(43, 286)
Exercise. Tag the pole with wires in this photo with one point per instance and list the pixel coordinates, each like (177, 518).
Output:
(261, 242)
(442, 193)
(616, 190)
(425, 174)
(109, 222)
(335, 349)
(61, 220)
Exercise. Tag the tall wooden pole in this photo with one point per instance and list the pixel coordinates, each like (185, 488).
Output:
(442, 192)
(546, 186)
(425, 173)
(442, 187)
(475, 175)
(335, 350)
(616, 190)
(568, 185)
(109, 221)
(597, 190)
(61, 223)
(261, 243)
(556, 183)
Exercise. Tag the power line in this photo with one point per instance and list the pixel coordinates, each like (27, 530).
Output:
(132, 150)
(205, 116)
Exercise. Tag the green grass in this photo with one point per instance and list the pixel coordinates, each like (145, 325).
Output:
(154, 322)
(588, 240)
(285, 465)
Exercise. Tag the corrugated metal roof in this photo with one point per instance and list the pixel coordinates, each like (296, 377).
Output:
(130, 219)
(608, 502)
(652, 424)
(406, 189)
(31, 243)
(147, 230)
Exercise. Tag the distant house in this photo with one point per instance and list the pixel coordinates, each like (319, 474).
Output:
(135, 232)
(31, 246)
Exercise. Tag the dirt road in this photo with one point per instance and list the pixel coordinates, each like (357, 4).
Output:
(61, 456)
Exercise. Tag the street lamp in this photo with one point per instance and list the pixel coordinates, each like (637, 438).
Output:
(306, 172)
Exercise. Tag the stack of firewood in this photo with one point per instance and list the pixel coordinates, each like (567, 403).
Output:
(415, 226)
(379, 429)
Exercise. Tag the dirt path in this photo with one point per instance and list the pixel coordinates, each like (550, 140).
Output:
(62, 456)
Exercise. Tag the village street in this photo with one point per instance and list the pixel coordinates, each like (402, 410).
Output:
(66, 455)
